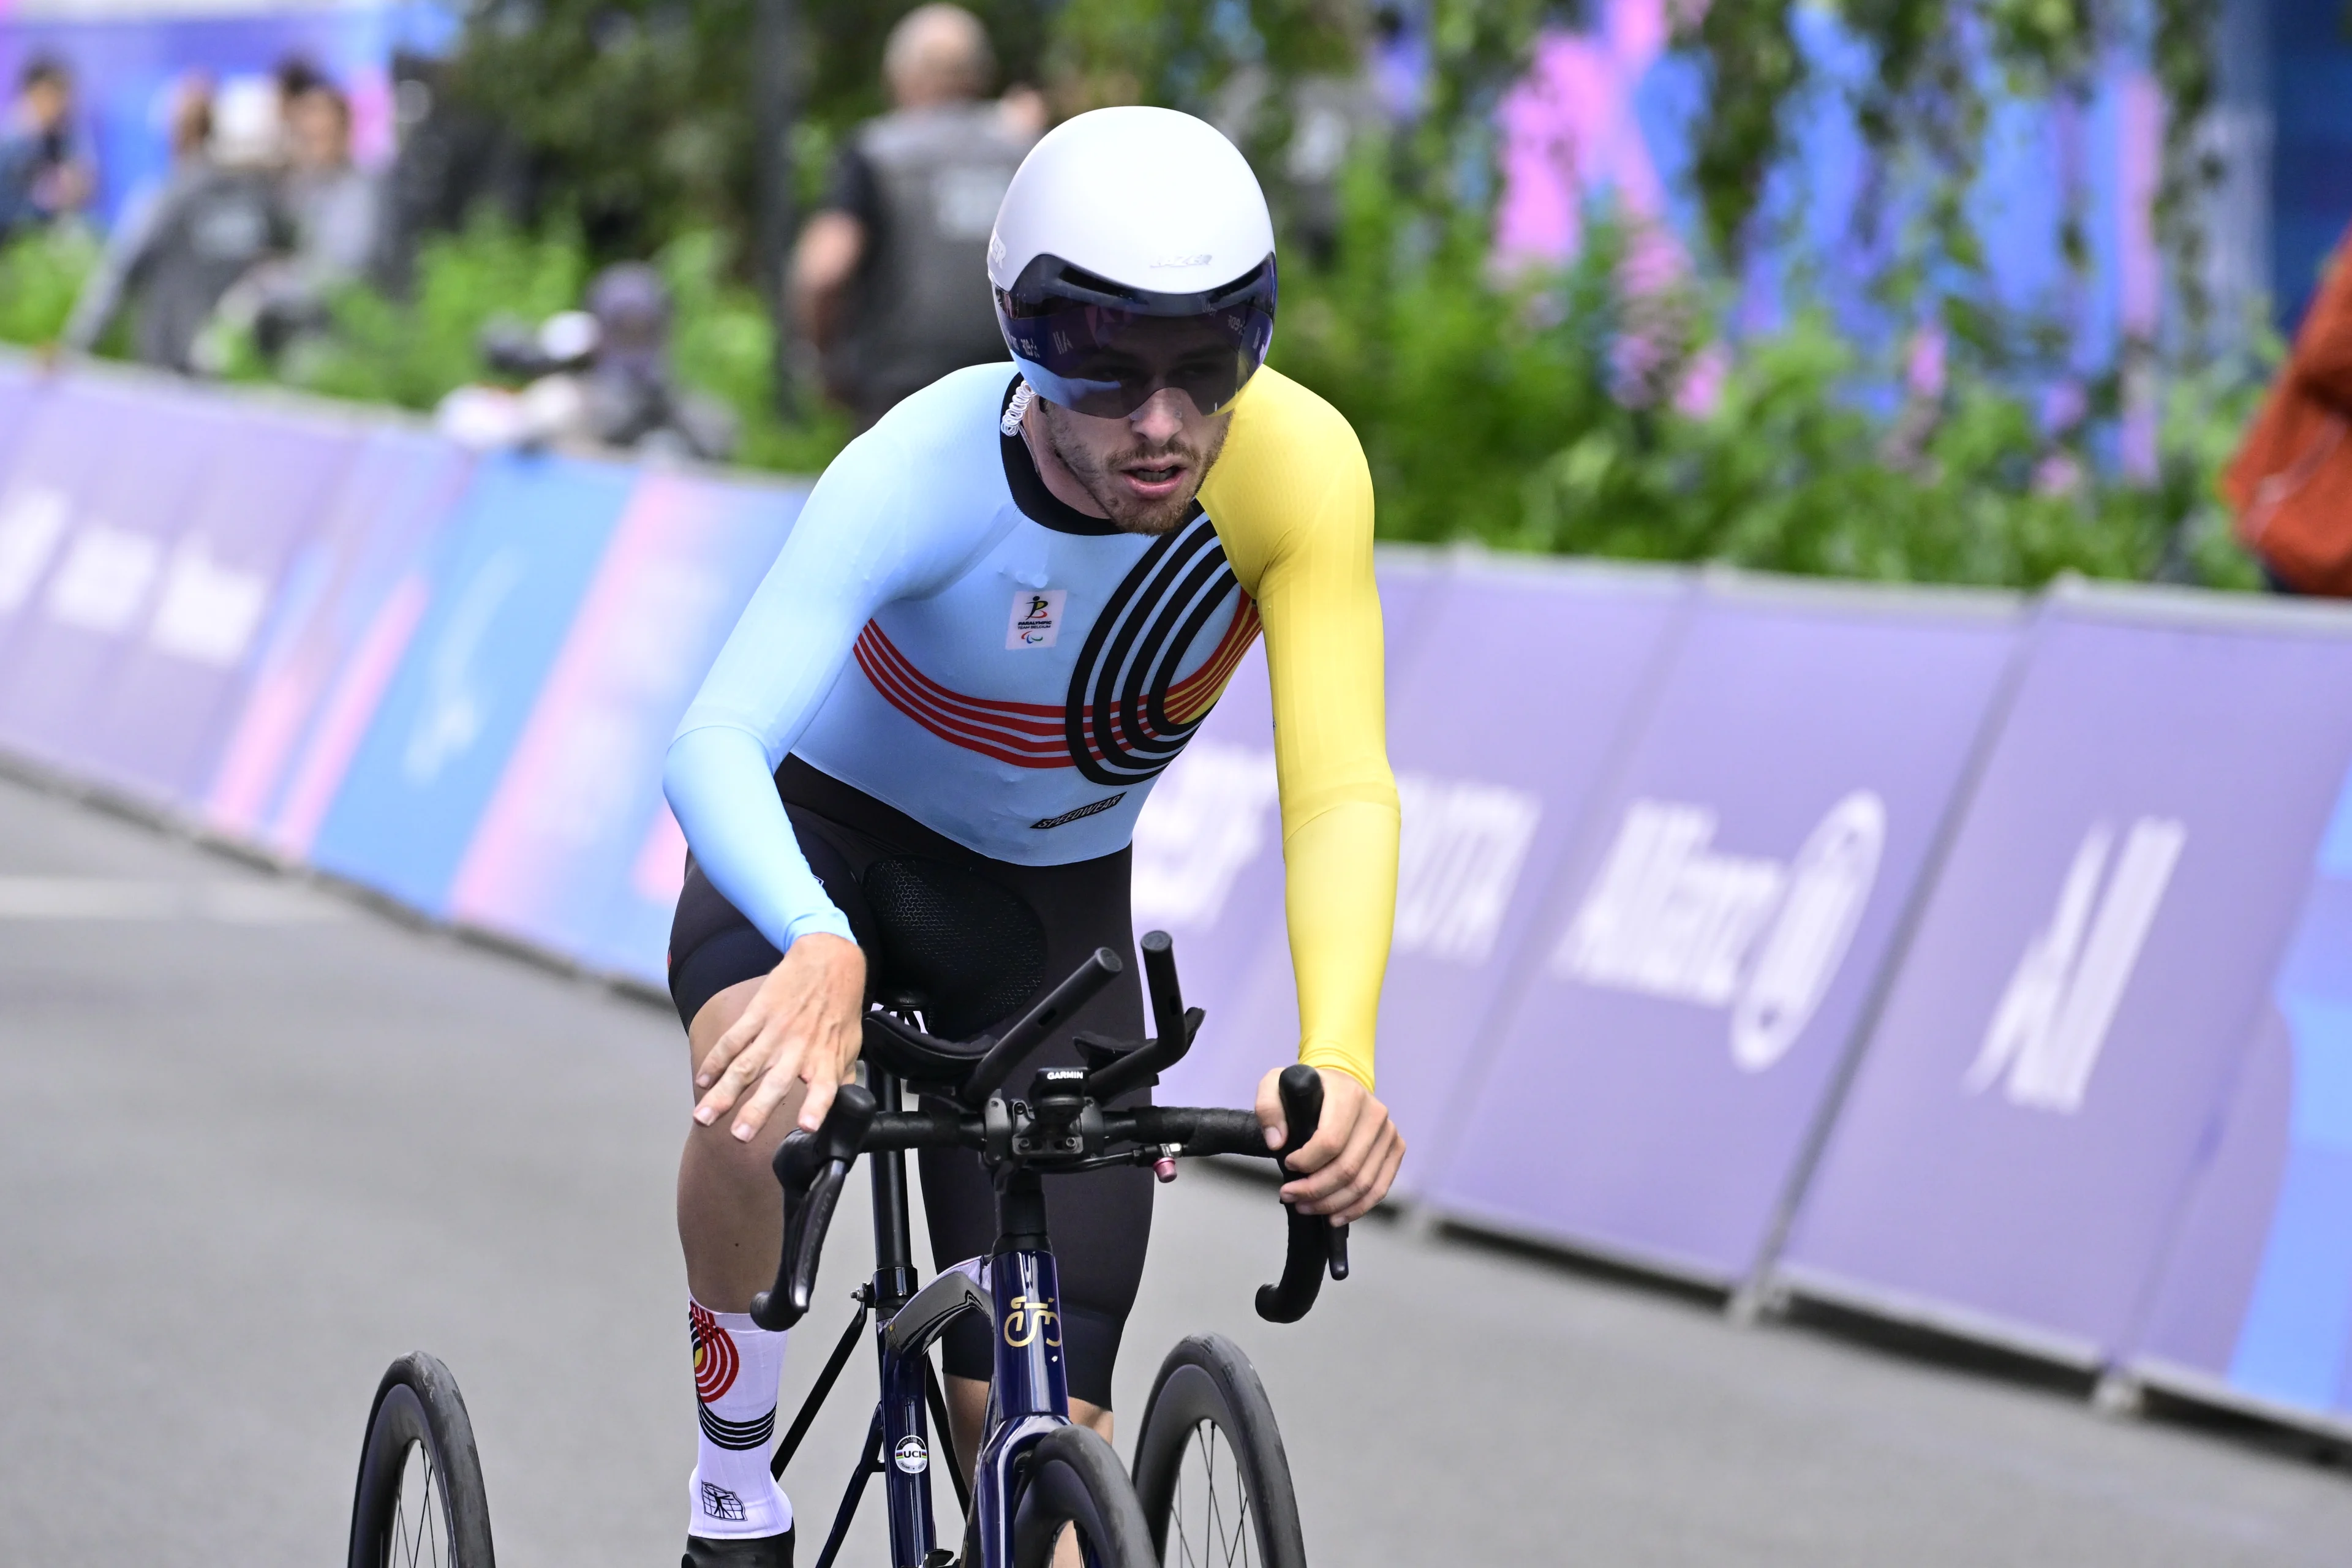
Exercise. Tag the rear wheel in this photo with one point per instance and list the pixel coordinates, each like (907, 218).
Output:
(1074, 1480)
(419, 1504)
(1210, 1470)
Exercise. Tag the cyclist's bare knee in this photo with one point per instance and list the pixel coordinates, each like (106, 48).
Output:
(729, 1209)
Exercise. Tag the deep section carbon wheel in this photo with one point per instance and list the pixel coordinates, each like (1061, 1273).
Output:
(1073, 1479)
(419, 1502)
(1210, 1470)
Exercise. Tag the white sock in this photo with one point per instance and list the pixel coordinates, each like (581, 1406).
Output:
(736, 1367)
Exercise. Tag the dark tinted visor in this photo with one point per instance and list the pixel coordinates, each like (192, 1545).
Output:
(1087, 345)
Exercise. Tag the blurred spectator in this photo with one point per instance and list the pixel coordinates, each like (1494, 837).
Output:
(890, 278)
(294, 75)
(217, 218)
(2292, 480)
(334, 209)
(39, 176)
(134, 229)
(335, 205)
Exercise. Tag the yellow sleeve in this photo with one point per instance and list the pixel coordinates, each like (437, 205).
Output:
(1292, 501)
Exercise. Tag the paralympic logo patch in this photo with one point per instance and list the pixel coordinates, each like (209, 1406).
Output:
(1036, 620)
(715, 1357)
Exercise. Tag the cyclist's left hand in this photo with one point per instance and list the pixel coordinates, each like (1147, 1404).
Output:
(1352, 1157)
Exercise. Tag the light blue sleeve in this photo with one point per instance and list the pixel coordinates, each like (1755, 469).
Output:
(864, 538)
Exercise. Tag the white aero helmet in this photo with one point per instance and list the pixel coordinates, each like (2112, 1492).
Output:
(1134, 252)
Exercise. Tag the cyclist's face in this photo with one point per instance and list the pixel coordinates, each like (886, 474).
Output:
(1143, 470)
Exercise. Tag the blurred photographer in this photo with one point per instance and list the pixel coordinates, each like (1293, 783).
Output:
(600, 377)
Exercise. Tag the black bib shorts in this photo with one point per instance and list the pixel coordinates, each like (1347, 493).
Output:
(979, 939)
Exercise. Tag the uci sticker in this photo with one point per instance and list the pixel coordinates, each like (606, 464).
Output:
(1036, 618)
(1026, 1320)
(910, 1455)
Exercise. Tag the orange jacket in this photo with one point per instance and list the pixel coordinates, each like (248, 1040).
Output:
(2290, 481)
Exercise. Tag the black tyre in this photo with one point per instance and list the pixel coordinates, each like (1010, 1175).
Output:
(1073, 1478)
(419, 1504)
(1210, 1470)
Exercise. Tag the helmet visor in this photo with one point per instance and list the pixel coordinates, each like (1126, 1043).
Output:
(1108, 361)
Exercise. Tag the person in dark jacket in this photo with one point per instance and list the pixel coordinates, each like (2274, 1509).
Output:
(218, 218)
(890, 278)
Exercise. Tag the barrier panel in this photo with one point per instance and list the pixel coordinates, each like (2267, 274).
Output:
(1494, 781)
(175, 693)
(353, 599)
(103, 485)
(1684, 1003)
(47, 453)
(524, 541)
(1208, 861)
(1485, 794)
(1663, 835)
(2021, 1136)
(2255, 1307)
(577, 849)
(18, 391)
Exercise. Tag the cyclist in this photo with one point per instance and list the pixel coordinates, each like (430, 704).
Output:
(917, 760)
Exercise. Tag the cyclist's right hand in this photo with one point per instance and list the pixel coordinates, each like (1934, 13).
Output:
(803, 1026)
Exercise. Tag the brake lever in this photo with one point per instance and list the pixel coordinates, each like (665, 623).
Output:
(1316, 1245)
(812, 1168)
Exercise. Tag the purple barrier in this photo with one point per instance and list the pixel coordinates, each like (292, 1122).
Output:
(2255, 1307)
(576, 849)
(524, 542)
(1684, 1007)
(53, 451)
(2020, 1137)
(115, 469)
(352, 598)
(1208, 862)
(173, 693)
(1489, 799)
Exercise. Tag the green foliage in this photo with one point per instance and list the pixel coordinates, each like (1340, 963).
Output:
(1754, 66)
(40, 273)
(1497, 414)
(411, 354)
(414, 352)
(635, 114)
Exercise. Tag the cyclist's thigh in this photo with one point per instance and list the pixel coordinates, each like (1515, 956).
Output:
(715, 953)
(1102, 1222)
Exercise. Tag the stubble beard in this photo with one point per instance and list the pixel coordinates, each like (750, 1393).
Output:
(1099, 476)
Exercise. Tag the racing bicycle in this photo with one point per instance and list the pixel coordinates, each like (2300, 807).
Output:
(1210, 1484)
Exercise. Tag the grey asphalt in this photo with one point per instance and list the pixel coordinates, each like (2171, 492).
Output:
(255, 1140)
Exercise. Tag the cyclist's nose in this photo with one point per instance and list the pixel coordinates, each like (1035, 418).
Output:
(1161, 417)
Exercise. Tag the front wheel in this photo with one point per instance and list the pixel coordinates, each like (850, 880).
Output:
(1073, 1480)
(420, 1503)
(1210, 1470)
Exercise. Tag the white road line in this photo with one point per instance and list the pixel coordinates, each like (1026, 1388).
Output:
(136, 899)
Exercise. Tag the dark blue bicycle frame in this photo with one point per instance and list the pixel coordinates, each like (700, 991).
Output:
(1030, 1397)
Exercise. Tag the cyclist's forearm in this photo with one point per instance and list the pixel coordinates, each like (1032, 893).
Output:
(1339, 875)
(720, 788)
